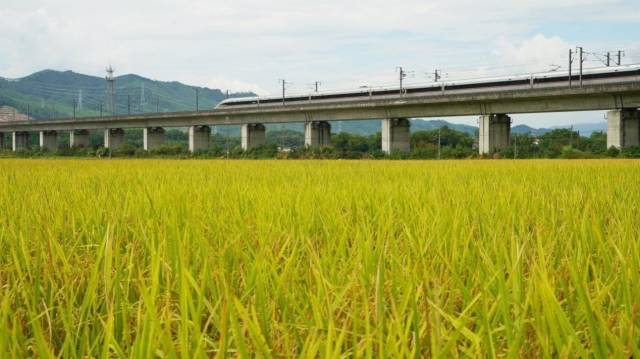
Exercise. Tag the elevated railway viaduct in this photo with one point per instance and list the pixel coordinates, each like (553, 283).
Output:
(617, 92)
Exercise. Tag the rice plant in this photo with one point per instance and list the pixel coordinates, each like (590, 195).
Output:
(164, 258)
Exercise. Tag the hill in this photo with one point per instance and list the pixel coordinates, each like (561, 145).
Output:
(524, 129)
(369, 127)
(50, 93)
(586, 129)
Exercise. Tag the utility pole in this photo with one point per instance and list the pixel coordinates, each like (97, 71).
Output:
(74, 109)
(439, 144)
(515, 146)
(581, 61)
(226, 131)
(226, 96)
(437, 75)
(317, 85)
(157, 104)
(111, 90)
(619, 57)
(27, 111)
(284, 86)
(129, 104)
(281, 137)
(570, 63)
(402, 76)
(100, 109)
(617, 61)
(571, 136)
(197, 104)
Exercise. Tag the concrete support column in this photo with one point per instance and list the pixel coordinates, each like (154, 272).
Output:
(20, 140)
(252, 135)
(199, 138)
(113, 137)
(317, 134)
(49, 140)
(153, 137)
(396, 135)
(494, 133)
(623, 128)
(79, 138)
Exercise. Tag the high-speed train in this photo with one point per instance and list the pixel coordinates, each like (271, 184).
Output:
(592, 76)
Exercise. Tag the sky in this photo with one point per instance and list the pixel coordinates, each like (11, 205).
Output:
(250, 45)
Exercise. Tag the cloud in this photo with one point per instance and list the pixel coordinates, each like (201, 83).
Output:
(250, 44)
(537, 53)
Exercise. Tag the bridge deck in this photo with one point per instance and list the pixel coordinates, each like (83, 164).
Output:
(592, 96)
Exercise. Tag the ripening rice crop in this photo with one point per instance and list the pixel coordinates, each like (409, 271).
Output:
(159, 258)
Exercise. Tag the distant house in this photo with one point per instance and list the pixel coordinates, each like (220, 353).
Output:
(8, 113)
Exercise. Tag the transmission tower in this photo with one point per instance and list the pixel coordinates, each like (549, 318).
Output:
(111, 103)
(80, 100)
(142, 98)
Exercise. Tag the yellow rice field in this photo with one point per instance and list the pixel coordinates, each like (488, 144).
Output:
(170, 258)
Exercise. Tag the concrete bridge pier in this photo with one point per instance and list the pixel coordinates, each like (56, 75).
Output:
(79, 138)
(396, 135)
(623, 128)
(252, 135)
(199, 138)
(113, 137)
(20, 140)
(153, 137)
(317, 134)
(49, 140)
(494, 133)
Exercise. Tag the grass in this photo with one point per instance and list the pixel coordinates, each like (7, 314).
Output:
(158, 258)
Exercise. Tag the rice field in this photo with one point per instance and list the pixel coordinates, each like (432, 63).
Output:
(170, 258)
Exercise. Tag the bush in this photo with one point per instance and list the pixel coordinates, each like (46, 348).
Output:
(630, 152)
(612, 152)
(569, 152)
(167, 150)
(124, 150)
(266, 151)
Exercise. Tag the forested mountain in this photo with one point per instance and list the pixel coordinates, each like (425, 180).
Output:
(50, 93)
